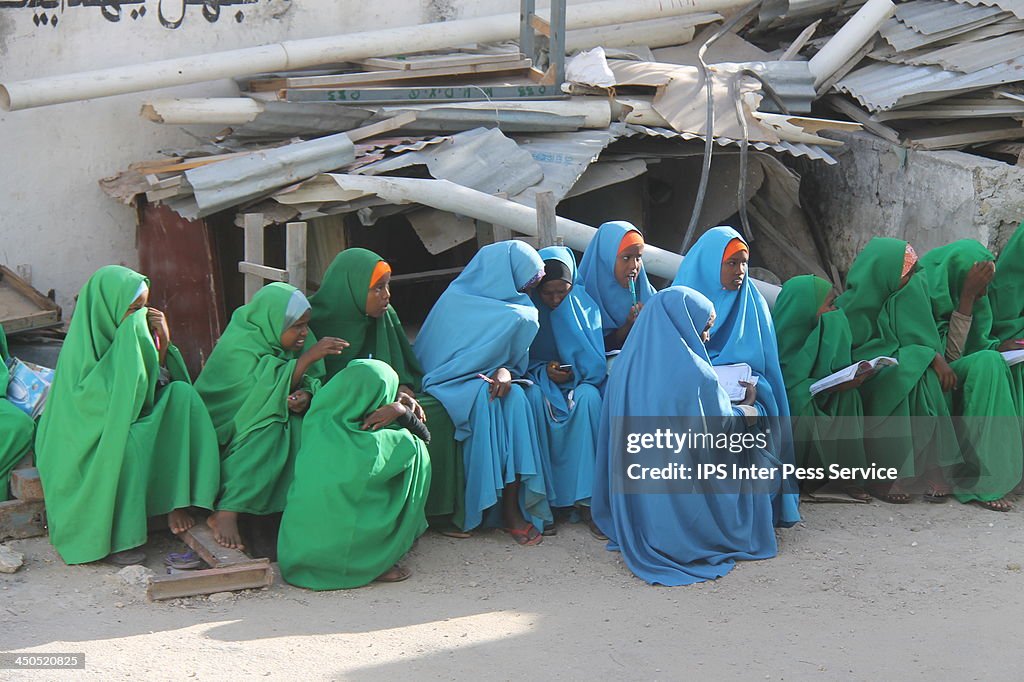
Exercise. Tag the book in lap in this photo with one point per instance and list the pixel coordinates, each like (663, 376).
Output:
(730, 376)
(1012, 357)
(28, 386)
(851, 372)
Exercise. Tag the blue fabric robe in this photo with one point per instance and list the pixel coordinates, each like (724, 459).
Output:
(597, 271)
(744, 332)
(483, 322)
(675, 538)
(568, 414)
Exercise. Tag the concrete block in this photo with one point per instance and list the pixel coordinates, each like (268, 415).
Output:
(25, 484)
(22, 519)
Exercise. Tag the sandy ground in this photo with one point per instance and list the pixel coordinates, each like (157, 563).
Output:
(857, 592)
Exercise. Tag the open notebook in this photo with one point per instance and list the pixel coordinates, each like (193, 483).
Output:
(730, 376)
(1012, 357)
(851, 372)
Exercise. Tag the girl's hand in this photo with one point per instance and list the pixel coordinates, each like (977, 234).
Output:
(298, 401)
(751, 393)
(501, 383)
(633, 312)
(329, 345)
(409, 401)
(947, 377)
(384, 416)
(1012, 344)
(157, 323)
(556, 375)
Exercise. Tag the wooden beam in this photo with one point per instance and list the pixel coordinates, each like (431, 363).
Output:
(26, 485)
(22, 519)
(295, 255)
(850, 109)
(540, 25)
(253, 226)
(263, 272)
(200, 538)
(254, 574)
(430, 62)
(381, 127)
(547, 219)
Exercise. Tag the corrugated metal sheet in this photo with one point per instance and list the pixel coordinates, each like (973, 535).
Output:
(966, 57)
(935, 16)
(563, 157)
(778, 12)
(297, 119)
(903, 38)
(792, 148)
(1014, 6)
(881, 87)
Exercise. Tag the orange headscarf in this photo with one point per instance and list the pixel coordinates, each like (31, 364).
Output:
(734, 247)
(379, 270)
(631, 238)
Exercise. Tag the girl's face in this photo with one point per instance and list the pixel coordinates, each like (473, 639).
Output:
(734, 270)
(705, 335)
(826, 306)
(554, 292)
(379, 297)
(137, 305)
(627, 264)
(294, 337)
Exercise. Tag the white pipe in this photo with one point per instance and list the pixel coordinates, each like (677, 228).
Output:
(661, 32)
(854, 34)
(197, 110)
(297, 54)
(448, 196)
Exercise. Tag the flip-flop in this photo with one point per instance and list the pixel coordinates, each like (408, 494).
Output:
(453, 532)
(595, 531)
(128, 557)
(401, 573)
(890, 497)
(550, 530)
(937, 494)
(523, 537)
(989, 504)
(857, 492)
(185, 561)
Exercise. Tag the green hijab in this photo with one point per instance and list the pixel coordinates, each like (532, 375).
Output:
(810, 347)
(1006, 292)
(339, 309)
(946, 269)
(247, 380)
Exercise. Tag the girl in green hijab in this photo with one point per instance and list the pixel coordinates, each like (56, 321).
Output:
(118, 442)
(906, 412)
(357, 502)
(958, 276)
(257, 384)
(814, 341)
(354, 303)
(1007, 300)
(16, 427)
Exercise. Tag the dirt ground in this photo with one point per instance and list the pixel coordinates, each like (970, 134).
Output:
(857, 592)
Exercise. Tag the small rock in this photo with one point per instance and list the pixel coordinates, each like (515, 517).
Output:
(913, 544)
(119, 605)
(1013, 567)
(221, 596)
(10, 561)
(136, 575)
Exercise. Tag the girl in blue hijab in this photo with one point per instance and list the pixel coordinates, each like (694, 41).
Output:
(676, 532)
(567, 402)
(473, 343)
(612, 271)
(716, 266)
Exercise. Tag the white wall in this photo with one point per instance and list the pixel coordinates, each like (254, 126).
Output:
(53, 215)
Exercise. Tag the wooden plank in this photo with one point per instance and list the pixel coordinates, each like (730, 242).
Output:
(295, 255)
(253, 226)
(189, 165)
(381, 127)
(844, 106)
(417, 62)
(392, 76)
(26, 485)
(200, 539)
(22, 519)
(547, 219)
(22, 307)
(255, 574)
(540, 25)
(425, 275)
(264, 272)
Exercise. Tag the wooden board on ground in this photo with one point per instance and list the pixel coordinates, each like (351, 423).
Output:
(200, 539)
(26, 485)
(254, 574)
(436, 61)
(22, 308)
(22, 519)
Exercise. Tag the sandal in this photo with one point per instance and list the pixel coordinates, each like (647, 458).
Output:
(128, 557)
(938, 493)
(595, 531)
(897, 496)
(185, 561)
(550, 529)
(1000, 505)
(453, 532)
(858, 493)
(526, 537)
(395, 574)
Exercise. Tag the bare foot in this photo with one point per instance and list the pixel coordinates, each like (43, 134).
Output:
(180, 521)
(395, 574)
(225, 529)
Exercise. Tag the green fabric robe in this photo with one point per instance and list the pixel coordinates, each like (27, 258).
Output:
(1006, 294)
(16, 427)
(339, 309)
(905, 410)
(245, 385)
(357, 502)
(988, 423)
(114, 449)
(828, 428)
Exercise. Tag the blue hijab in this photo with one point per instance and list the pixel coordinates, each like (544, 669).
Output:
(482, 322)
(597, 270)
(674, 538)
(744, 332)
(571, 334)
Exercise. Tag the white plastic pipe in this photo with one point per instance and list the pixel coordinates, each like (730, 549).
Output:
(297, 54)
(198, 110)
(448, 196)
(851, 37)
